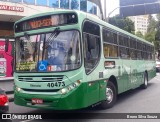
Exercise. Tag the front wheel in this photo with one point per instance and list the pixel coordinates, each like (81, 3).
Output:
(111, 96)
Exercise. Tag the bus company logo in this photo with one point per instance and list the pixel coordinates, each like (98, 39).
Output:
(35, 85)
(20, 117)
(6, 116)
(2, 47)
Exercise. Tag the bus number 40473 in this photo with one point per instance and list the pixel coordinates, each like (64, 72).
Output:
(56, 84)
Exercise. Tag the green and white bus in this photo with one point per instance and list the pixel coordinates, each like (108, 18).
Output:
(68, 59)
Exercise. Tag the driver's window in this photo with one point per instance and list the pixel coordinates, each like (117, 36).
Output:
(91, 36)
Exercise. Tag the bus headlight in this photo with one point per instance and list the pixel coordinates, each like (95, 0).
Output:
(70, 87)
(18, 89)
(63, 91)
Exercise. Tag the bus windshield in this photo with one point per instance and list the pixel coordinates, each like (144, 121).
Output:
(47, 52)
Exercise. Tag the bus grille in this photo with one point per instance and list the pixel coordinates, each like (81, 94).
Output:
(49, 78)
(40, 90)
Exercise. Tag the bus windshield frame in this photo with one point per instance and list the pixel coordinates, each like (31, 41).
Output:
(48, 52)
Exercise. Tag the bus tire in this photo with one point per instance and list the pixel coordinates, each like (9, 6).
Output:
(145, 84)
(111, 96)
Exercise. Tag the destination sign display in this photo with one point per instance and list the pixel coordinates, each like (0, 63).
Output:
(40, 23)
(46, 21)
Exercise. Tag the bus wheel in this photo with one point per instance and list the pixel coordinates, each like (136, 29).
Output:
(145, 84)
(111, 96)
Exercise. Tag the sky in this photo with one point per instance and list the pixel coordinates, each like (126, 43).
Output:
(110, 6)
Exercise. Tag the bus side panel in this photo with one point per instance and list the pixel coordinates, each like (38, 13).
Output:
(93, 85)
(140, 72)
(76, 99)
(102, 90)
(151, 68)
(126, 70)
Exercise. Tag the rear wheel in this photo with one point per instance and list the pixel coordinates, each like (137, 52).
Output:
(145, 84)
(111, 96)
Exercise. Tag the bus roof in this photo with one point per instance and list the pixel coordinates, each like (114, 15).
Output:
(103, 23)
(85, 15)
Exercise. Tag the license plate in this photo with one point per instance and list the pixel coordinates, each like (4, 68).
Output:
(37, 101)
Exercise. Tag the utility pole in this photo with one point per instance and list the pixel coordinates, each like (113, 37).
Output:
(105, 19)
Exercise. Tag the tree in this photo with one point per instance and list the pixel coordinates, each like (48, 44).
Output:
(153, 31)
(123, 23)
(152, 24)
(139, 34)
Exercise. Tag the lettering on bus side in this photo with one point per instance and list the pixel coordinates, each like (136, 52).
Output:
(56, 84)
(35, 85)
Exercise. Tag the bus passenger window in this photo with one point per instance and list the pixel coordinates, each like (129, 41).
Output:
(110, 50)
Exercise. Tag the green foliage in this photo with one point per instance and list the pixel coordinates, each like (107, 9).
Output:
(152, 24)
(153, 32)
(150, 36)
(123, 23)
(139, 34)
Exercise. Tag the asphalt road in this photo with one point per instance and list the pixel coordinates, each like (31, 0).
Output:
(134, 101)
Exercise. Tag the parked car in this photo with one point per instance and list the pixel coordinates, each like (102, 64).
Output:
(157, 65)
(4, 102)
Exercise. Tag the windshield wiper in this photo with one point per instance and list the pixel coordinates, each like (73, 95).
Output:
(36, 49)
(53, 35)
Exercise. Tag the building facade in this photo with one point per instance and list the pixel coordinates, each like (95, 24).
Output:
(13, 10)
(140, 23)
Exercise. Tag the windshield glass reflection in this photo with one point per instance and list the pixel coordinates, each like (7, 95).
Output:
(47, 52)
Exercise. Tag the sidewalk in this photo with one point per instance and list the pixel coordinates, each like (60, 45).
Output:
(7, 85)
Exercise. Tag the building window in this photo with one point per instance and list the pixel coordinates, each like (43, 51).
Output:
(89, 7)
(64, 4)
(54, 3)
(41, 2)
(14, 1)
(83, 5)
(29, 1)
(75, 4)
(95, 9)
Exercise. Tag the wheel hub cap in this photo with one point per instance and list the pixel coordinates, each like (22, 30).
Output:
(109, 94)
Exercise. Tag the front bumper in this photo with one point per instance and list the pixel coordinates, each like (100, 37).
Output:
(75, 99)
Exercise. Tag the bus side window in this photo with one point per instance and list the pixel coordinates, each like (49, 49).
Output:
(91, 36)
